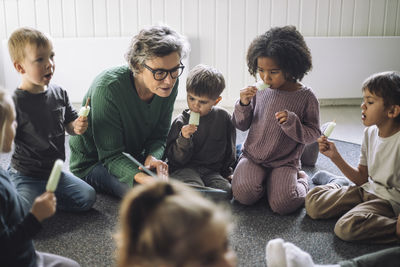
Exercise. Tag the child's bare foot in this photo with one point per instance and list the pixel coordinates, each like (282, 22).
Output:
(302, 175)
(398, 226)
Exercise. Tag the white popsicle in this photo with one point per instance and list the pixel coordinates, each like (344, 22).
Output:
(261, 85)
(194, 118)
(84, 111)
(329, 129)
(54, 176)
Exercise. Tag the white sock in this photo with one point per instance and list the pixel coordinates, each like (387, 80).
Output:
(295, 257)
(275, 253)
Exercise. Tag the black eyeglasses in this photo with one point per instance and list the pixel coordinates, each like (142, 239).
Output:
(161, 74)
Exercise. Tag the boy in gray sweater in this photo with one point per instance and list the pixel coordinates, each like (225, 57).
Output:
(203, 152)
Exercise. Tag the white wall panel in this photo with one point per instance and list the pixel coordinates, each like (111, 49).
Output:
(69, 18)
(377, 14)
(172, 13)
(398, 19)
(219, 31)
(279, 12)
(84, 18)
(322, 21)
(335, 16)
(113, 18)
(144, 13)
(129, 17)
(293, 13)
(346, 26)
(11, 15)
(56, 18)
(390, 22)
(361, 18)
(3, 30)
(308, 17)
(250, 34)
(264, 15)
(221, 41)
(27, 13)
(236, 46)
(100, 18)
(42, 15)
(158, 8)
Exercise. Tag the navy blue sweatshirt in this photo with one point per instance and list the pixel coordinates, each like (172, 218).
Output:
(16, 231)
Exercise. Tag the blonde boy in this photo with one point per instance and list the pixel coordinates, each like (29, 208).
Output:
(369, 210)
(44, 113)
(204, 154)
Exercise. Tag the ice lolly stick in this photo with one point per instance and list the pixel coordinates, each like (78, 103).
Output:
(194, 118)
(329, 129)
(84, 111)
(54, 176)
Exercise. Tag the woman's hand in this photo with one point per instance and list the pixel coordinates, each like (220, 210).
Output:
(44, 206)
(246, 94)
(160, 166)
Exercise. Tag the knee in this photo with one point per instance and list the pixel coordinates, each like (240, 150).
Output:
(246, 195)
(310, 203)
(286, 204)
(88, 199)
(346, 227)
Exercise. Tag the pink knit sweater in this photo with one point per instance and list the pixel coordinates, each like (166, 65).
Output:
(272, 144)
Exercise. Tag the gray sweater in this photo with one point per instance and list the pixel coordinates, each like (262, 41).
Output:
(272, 144)
(212, 146)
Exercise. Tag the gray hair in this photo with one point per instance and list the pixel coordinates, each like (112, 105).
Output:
(155, 41)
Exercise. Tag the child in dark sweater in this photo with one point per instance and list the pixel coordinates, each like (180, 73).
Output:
(203, 154)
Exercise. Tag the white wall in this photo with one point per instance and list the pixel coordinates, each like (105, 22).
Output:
(219, 31)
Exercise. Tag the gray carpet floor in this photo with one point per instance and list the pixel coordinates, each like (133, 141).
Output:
(87, 237)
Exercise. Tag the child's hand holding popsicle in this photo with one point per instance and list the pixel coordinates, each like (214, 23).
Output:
(326, 147)
(81, 123)
(45, 204)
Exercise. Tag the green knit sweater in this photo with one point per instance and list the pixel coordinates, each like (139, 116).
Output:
(119, 121)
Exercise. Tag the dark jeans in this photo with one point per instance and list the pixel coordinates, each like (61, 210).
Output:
(103, 181)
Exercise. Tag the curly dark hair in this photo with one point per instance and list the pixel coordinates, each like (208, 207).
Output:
(286, 46)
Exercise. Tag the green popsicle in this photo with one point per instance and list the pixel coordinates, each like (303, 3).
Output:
(194, 118)
(54, 176)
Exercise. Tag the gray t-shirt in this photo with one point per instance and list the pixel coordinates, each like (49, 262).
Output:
(40, 135)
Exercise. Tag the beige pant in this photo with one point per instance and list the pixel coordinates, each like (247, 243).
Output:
(364, 216)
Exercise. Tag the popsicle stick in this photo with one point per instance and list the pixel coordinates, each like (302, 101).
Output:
(87, 102)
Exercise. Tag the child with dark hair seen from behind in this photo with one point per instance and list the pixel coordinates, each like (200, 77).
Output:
(203, 154)
(281, 120)
(369, 211)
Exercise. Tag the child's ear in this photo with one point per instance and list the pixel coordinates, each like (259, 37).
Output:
(394, 111)
(218, 99)
(18, 66)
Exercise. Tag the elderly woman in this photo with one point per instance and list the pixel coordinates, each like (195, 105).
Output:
(131, 109)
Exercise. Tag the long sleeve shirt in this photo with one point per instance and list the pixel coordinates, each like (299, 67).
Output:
(119, 121)
(212, 146)
(16, 231)
(272, 144)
